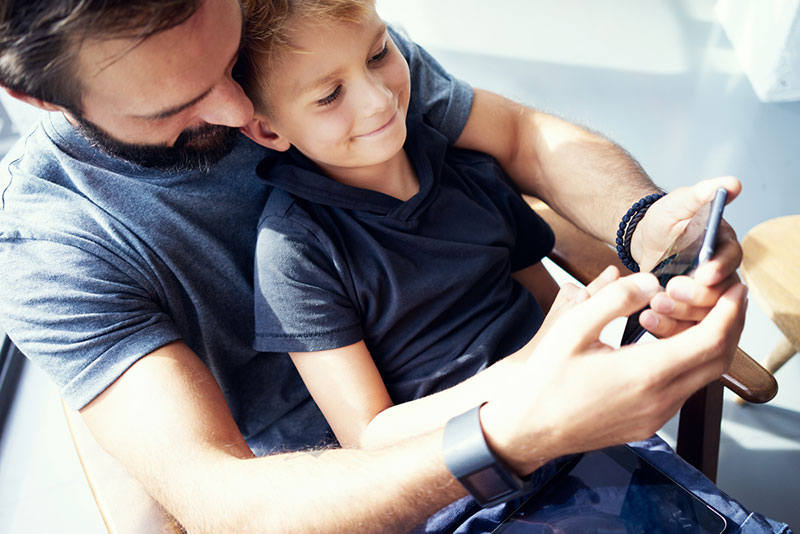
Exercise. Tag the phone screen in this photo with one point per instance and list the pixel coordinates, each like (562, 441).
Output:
(694, 246)
(613, 491)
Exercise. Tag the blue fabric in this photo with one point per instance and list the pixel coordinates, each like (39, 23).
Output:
(466, 517)
(103, 261)
(426, 283)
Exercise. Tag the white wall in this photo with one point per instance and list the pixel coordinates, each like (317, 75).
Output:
(766, 37)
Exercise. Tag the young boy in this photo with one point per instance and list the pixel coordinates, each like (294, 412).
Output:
(388, 266)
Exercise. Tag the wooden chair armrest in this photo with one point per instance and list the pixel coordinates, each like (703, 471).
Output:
(584, 257)
(123, 503)
(749, 379)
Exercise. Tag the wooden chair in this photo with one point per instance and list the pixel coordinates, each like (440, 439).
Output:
(771, 269)
(126, 508)
(123, 504)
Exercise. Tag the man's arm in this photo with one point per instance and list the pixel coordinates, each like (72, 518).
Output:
(592, 182)
(569, 167)
(167, 422)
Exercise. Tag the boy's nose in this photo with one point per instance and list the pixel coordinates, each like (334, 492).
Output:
(375, 96)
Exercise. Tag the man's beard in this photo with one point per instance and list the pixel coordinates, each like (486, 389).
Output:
(194, 150)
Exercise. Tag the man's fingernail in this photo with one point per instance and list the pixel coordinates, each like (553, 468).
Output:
(682, 291)
(663, 304)
(649, 321)
(647, 283)
(609, 274)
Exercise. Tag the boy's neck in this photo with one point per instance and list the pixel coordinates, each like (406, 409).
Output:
(395, 177)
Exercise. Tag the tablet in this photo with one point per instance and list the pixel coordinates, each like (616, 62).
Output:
(613, 491)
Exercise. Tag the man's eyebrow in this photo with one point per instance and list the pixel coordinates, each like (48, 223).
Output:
(323, 80)
(177, 109)
(164, 114)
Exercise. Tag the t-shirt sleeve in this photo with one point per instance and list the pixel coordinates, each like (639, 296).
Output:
(78, 312)
(301, 303)
(443, 100)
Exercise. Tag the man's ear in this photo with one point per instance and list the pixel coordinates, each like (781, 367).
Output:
(41, 104)
(259, 131)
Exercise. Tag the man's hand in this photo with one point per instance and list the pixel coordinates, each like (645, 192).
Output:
(578, 394)
(686, 299)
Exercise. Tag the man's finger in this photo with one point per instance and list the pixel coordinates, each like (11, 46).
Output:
(662, 325)
(684, 292)
(713, 338)
(664, 304)
(617, 299)
(609, 274)
(727, 258)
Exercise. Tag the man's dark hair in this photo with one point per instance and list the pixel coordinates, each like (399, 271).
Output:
(40, 39)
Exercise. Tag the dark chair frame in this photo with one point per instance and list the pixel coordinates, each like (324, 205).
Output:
(11, 363)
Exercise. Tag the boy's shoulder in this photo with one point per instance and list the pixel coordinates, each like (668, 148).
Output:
(287, 213)
(279, 204)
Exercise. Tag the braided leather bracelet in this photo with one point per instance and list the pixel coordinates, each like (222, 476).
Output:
(628, 224)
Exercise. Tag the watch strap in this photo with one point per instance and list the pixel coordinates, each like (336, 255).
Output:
(468, 457)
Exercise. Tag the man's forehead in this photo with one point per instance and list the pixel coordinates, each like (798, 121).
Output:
(167, 69)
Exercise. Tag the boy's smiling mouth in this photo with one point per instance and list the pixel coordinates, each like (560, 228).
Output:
(381, 129)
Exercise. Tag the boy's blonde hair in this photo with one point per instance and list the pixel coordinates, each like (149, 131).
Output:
(268, 36)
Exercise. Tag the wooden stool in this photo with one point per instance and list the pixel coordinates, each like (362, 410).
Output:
(771, 270)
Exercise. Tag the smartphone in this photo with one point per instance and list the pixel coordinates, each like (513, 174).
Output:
(693, 247)
(613, 490)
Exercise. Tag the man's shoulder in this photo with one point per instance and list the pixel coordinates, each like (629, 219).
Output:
(31, 150)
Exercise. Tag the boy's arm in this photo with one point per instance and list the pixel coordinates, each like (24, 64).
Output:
(347, 387)
(350, 392)
(570, 168)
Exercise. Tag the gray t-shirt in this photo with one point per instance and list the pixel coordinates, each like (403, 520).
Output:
(103, 262)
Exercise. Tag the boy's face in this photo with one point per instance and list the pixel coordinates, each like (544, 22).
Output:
(342, 98)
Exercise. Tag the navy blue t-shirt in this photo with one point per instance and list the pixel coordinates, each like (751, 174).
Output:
(426, 283)
(103, 262)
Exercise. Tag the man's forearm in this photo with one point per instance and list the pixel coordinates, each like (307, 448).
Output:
(184, 447)
(582, 175)
(340, 490)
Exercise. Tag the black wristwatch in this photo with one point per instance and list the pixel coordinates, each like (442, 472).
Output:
(469, 459)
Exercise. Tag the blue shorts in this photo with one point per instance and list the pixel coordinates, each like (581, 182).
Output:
(466, 517)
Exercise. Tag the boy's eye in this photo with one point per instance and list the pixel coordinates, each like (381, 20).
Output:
(377, 58)
(331, 97)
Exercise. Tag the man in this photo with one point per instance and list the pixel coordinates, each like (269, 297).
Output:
(126, 237)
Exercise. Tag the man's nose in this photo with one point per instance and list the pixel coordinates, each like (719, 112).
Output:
(227, 105)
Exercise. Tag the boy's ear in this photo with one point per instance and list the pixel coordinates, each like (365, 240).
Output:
(259, 131)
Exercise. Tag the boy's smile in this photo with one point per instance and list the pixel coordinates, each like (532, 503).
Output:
(341, 98)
